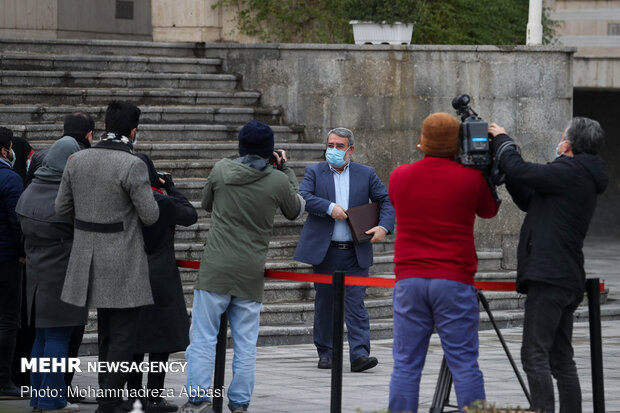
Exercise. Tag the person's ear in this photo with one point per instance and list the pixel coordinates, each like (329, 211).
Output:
(132, 134)
(90, 135)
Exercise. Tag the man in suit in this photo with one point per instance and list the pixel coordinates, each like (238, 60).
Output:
(107, 191)
(330, 188)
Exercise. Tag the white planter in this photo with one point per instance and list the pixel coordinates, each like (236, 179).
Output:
(373, 33)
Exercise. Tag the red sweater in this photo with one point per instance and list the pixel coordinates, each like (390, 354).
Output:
(436, 202)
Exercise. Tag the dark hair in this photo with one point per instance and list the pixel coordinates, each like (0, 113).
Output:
(585, 135)
(121, 117)
(6, 136)
(78, 124)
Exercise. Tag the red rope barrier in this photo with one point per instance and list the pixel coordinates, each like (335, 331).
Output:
(360, 281)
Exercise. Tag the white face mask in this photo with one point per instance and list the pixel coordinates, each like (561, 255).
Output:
(557, 149)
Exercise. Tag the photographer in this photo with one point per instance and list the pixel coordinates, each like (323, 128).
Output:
(242, 195)
(436, 201)
(163, 326)
(559, 198)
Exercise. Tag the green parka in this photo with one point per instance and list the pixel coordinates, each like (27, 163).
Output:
(243, 201)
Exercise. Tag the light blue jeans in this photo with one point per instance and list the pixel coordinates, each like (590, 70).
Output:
(450, 306)
(243, 316)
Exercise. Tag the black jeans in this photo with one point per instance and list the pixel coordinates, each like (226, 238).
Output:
(117, 329)
(10, 315)
(547, 347)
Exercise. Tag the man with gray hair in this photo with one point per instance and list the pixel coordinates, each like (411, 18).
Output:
(559, 199)
(330, 188)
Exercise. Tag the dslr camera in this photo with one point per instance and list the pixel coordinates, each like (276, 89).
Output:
(475, 147)
(274, 162)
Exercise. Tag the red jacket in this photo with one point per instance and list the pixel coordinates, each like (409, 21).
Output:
(436, 201)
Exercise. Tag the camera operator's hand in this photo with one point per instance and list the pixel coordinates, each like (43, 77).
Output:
(499, 137)
(166, 180)
(378, 234)
(338, 213)
(495, 129)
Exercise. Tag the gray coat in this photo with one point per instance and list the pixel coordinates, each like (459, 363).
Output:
(107, 185)
(47, 239)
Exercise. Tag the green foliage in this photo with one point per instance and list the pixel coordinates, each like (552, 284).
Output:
(480, 406)
(475, 22)
(378, 11)
(291, 21)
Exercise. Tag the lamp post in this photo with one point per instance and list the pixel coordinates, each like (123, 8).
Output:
(534, 24)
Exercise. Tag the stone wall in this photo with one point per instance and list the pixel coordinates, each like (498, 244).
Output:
(383, 93)
(74, 19)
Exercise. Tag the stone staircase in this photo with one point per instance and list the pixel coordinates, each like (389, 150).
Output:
(191, 114)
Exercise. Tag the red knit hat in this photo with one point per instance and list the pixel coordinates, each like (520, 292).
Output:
(440, 135)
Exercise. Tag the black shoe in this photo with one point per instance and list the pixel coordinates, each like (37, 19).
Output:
(160, 406)
(363, 363)
(324, 363)
(12, 392)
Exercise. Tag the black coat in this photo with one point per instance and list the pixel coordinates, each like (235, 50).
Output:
(164, 326)
(559, 198)
(48, 239)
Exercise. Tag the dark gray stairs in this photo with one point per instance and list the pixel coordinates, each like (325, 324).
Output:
(191, 114)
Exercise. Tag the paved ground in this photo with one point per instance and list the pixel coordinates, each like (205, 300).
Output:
(288, 381)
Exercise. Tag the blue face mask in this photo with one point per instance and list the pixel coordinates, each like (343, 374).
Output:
(335, 156)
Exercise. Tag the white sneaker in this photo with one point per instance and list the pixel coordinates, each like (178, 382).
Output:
(69, 407)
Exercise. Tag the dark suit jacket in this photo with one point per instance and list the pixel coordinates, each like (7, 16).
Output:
(319, 191)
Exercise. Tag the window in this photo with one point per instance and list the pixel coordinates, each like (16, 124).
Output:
(124, 9)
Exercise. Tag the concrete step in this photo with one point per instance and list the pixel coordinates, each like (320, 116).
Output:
(90, 79)
(102, 96)
(107, 63)
(186, 150)
(164, 133)
(202, 168)
(102, 47)
(280, 247)
(380, 328)
(195, 114)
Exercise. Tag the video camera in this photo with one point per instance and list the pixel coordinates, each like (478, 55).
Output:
(475, 147)
(475, 144)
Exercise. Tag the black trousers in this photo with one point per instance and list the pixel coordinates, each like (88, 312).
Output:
(10, 315)
(155, 381)
(547, 347)
(25, 338)
(117, 329)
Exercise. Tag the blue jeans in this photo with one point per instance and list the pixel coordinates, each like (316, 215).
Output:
(244, 317)
(50, 342)
(547, 347)
(450, 306)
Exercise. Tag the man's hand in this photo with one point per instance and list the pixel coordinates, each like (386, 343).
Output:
(378, 234)
(338, 213)
(495, 129)
(278, 157)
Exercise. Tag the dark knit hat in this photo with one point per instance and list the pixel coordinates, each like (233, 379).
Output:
(256, 138)
(440, 135)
